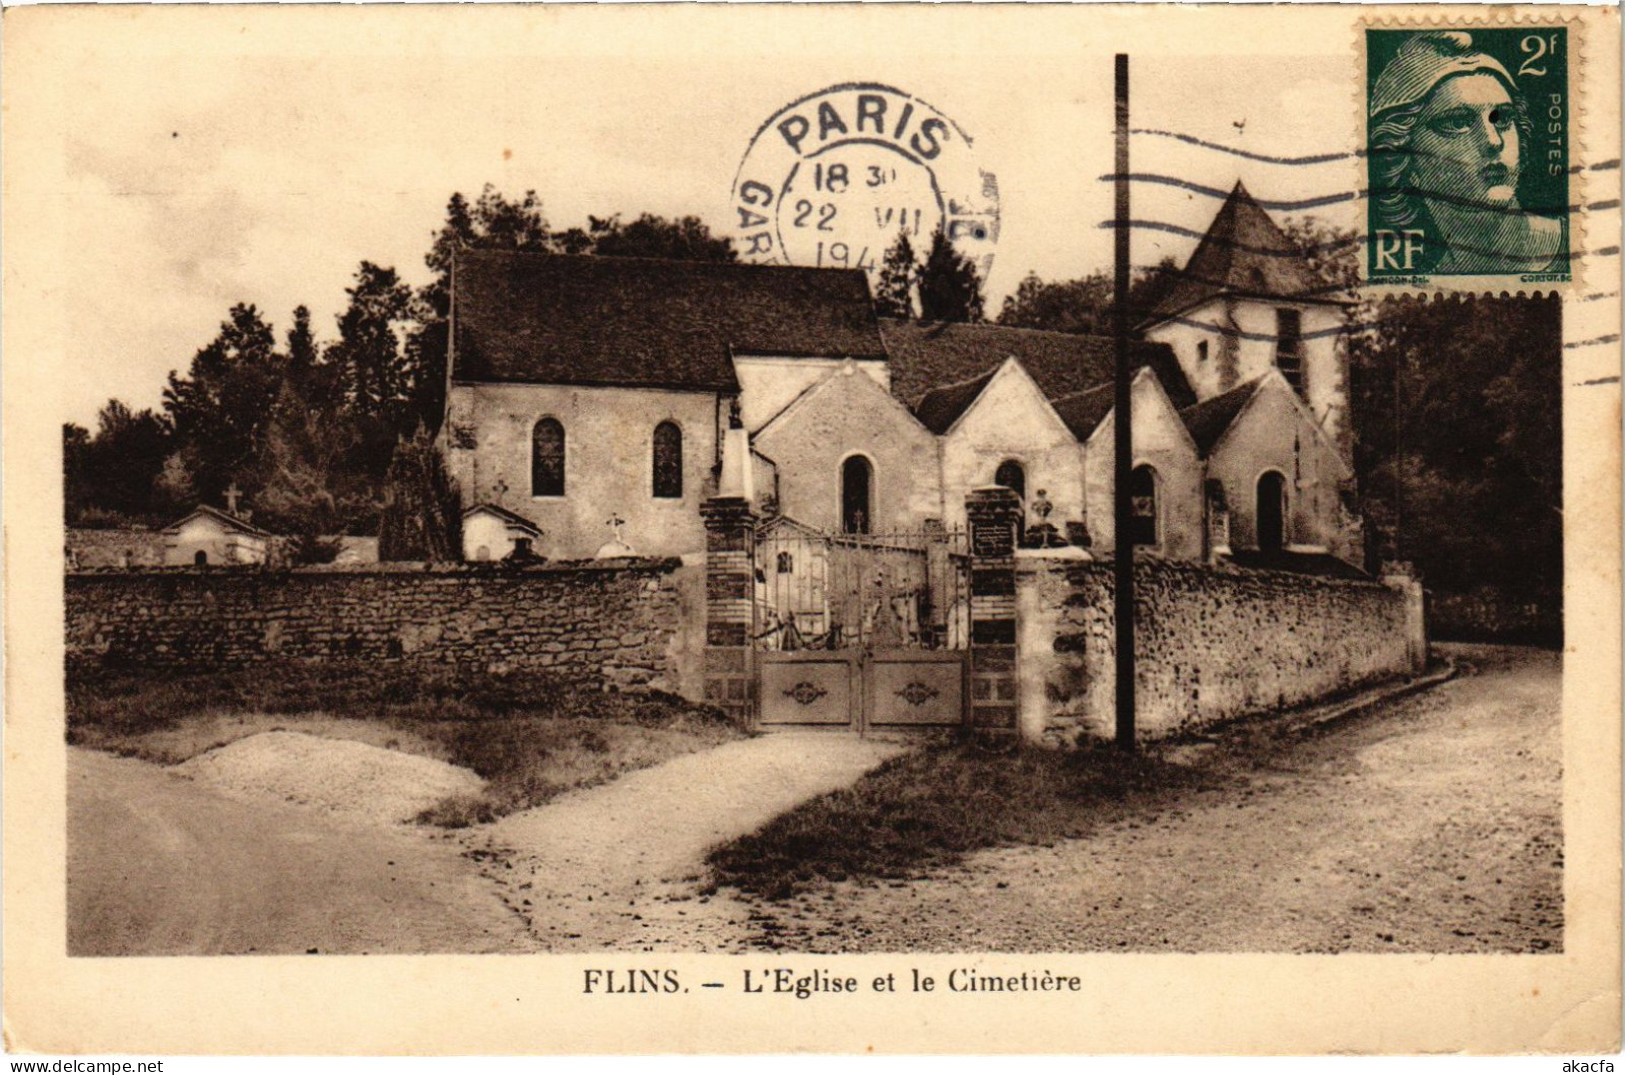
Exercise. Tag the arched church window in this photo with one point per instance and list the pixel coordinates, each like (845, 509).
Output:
(668, 461)
(857, 488)
(1142, 492)
(1011, 475)
(786, 564)
(1271, 511)
(547, 458)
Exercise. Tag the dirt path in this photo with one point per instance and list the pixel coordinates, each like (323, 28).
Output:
(158, 865)
(619, 866)
(1431, 825)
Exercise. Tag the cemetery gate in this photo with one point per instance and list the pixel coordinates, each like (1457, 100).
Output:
(860, 630)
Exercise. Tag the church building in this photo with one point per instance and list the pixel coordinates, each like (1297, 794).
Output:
(594, 404)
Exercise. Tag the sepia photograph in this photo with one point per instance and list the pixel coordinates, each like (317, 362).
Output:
(747, 507)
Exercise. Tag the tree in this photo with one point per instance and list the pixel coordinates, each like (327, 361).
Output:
(1084, 305)
(307, 489)
(368, 357)
(422, 512)
(219, 408)
(949, 287)
(894, 287)
(75, 470)
(114, 470)
(649, 236)
(302, 353)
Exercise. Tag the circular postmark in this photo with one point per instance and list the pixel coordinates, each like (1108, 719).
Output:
(831, 179)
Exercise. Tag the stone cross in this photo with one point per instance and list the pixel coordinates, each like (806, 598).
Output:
(615, 522)
(232, 493)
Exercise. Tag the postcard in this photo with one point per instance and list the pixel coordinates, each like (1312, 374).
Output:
(764, 529)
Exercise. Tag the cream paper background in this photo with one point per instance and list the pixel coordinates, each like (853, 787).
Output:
(1565, 1002)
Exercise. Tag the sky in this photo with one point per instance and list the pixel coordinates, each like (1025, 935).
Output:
(188, 159)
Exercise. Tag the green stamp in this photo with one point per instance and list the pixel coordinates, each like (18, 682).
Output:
(1467, 154)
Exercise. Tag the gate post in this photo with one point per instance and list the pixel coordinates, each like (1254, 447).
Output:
(993, 514)
(730, 577)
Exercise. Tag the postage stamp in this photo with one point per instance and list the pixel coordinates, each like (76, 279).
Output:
(832, 178)
(1469, 135)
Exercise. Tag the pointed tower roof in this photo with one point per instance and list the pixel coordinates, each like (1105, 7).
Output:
(1244, 253)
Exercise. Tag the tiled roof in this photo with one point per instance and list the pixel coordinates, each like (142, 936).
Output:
(1084, 411)
(926, 355)
(1207, 421)
(1243, 253)
(504, 514)
(940, 408)
(230, 522)
(640, 322)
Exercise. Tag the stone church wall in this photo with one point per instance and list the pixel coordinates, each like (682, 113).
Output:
(1211, 644)
(632, 624)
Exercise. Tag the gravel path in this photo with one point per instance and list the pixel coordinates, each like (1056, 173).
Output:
(1430, 825)
(619, 866)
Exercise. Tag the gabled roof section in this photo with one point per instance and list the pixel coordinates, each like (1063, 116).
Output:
(1084, 411)
(642, 322)
(1207, 421)
(230, 522)
(1244, 253)
(509, 517)
(847, 373)
(940, 408)
(925, 355)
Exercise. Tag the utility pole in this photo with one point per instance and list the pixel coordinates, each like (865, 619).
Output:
(1123, 561)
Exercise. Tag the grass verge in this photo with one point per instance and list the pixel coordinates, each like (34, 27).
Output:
(530, 736)
(929, 807)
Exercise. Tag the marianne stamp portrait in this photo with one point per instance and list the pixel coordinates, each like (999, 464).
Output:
(1467, 150)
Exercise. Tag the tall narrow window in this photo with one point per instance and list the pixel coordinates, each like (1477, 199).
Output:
(1142, 492)
(547, 458)
(1271, 512)
(668, 461)
(857, 481)
(1289, 346)
(1012, 477)
(1201, 353)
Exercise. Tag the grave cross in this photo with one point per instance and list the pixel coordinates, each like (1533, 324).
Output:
(232, 493)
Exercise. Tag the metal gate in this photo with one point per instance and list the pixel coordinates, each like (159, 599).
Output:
(861, 630)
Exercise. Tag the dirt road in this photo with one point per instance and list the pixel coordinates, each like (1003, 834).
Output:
(620, 866)
(1430, 825)
(158, 865)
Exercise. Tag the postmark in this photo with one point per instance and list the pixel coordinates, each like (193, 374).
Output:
(832, 178)
(1469, 140)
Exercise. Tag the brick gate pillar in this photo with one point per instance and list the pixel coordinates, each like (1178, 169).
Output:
(993, 514)
(730, 575)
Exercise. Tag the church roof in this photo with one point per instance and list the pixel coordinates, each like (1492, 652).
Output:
(1208, 420)
(929, 355)
(1084, 411)
(1244, 253)
(940, 408)
(641, 322)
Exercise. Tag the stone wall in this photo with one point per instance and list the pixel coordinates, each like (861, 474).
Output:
(628, 624)
(1211, 643)
(113, 548)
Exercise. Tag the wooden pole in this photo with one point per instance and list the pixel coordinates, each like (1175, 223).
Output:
(1124, 440)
